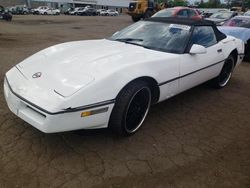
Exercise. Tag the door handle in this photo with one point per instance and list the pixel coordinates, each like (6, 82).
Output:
(219, 50)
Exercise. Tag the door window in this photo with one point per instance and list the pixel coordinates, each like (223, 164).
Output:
(203, 35)
(191, 13)
(182, 13)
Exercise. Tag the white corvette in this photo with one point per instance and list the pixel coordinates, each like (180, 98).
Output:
(112, 82)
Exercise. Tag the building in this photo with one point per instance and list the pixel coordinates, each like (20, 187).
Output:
(65, 4)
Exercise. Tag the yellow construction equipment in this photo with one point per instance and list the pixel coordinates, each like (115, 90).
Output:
(141, 9)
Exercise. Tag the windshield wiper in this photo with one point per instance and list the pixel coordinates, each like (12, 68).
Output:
(128, 39)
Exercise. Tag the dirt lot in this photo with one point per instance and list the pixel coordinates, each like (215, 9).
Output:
(200, 138)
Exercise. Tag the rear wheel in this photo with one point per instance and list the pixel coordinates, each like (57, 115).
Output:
(225, 74)
(131, 108)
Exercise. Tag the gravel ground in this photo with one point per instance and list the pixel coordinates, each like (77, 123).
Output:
(200, 138)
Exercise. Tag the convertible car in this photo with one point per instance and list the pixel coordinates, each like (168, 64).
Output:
(113, 82)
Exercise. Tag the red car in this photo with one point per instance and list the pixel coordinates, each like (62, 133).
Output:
(183, 12)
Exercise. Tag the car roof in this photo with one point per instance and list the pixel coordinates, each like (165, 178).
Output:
(180, 7)
(183, 21)
(190, 22)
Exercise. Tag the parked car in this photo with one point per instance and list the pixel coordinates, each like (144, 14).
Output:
(98, 11)
(51, 11)
(112, 12)
(67, 12)
(239, 21)
(247, 13)
(75, 10)
(219, 18)
(88, 12)
(4, 14)
(40, 10)
(239, 27)
(54, 90)
(81, 11)
(19, 9)
(182, 12)
(207, 12)
(103, 12)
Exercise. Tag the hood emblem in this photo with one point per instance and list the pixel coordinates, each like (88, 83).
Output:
(37, 75)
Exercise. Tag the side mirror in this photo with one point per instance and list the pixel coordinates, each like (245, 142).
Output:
(197, 49)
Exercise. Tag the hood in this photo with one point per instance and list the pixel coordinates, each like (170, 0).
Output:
(66, 68)
(237, 32)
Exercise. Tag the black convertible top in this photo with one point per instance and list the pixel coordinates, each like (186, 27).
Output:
(190, 22)
(183, 21)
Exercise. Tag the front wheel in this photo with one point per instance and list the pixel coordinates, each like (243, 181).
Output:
(225, 74)
(131, 108)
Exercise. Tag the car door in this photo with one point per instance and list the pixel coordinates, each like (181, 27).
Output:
(198, 68)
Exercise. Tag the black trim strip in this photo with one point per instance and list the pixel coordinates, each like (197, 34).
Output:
(171, 80)
(68, 110)
(240, 54)
(99, 104)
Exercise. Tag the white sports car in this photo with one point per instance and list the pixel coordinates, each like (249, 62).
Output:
(113, 82)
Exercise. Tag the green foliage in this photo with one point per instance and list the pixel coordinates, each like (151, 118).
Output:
(217, 4)
(209, 4)
(174, 3)
(247, 4)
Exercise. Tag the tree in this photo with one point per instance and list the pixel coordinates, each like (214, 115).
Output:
(178, 3)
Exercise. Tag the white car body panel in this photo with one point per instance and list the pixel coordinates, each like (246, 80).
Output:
(52, 11)
(191, 63)
(74, 76)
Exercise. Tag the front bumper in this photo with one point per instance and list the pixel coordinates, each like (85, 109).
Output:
(51, 123)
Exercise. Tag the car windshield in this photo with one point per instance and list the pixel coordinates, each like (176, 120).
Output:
(164, 13)
(238, 22)
(165, 37)
(221, 15)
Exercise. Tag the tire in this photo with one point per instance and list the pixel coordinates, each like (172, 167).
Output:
(225, 74)
(148, 14)
(45, 13)
(131, 108)
(247, 51)
(135, 19)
